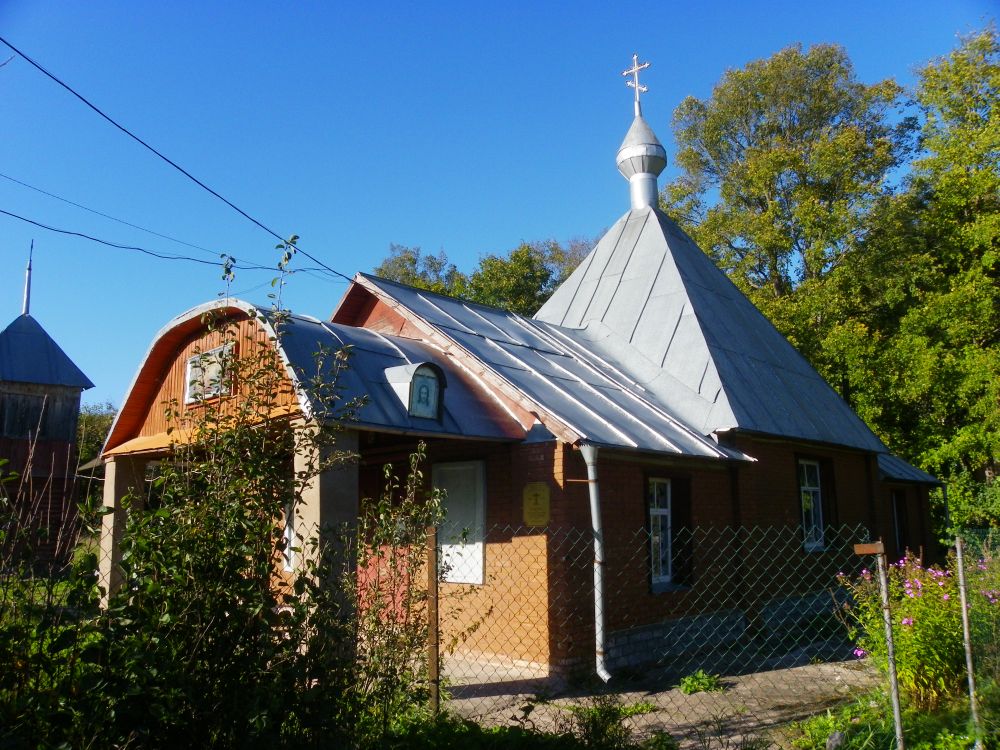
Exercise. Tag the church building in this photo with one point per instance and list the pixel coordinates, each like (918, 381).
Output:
(647, 398)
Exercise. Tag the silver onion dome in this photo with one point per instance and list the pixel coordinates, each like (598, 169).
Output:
(641, 157)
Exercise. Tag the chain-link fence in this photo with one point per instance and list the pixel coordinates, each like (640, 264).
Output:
(735, 628)
(741, 626)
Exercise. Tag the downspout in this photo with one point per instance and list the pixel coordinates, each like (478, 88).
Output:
(589, 453)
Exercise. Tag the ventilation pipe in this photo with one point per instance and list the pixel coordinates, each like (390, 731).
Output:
(589, 453)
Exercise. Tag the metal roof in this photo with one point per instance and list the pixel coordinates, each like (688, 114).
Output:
(649, 300)
(565, 379)
(893, 468)
(466, 410)
(29, 355)
(301, 341)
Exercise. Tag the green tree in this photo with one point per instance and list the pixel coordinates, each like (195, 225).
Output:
(520, 282)
(945, 353)
(410, 265)
(91, 431)
(779, 168)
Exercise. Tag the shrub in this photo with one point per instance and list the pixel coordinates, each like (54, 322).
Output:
(927, 629)
(601, 722)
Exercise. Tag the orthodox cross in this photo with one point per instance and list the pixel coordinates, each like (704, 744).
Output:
(634, 83)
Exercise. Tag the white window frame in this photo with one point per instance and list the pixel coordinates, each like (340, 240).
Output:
(811, 506)
(657, 537)
(463, 553)
(196, 388)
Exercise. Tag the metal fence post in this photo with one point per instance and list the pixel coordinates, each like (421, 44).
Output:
(878, 549)
(967, 637)
(433, 639)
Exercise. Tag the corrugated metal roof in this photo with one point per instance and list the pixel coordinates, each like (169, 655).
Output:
(893, 468)
(563, 377)
(650, 300)
(466, 410)
(29, 355)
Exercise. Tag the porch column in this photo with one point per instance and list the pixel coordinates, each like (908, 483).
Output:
(328, 506)
(123, 475)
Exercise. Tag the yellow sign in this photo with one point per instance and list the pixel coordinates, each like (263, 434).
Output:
(536, 504)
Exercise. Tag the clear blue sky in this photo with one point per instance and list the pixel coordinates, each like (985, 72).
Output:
(466, 127)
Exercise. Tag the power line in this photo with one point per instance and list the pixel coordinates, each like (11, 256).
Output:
(107, 216)
(145, 251)
(169, 161)
(307, 271)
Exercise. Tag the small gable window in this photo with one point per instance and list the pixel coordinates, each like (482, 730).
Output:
(425, 393)
(208, 374)
(419, 387)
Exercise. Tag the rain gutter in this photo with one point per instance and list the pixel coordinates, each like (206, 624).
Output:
(589, 453)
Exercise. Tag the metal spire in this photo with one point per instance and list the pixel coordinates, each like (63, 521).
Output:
(634, 83)
(27, 282)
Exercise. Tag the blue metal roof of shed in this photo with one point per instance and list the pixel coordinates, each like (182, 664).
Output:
(893, 468)
(29, 355)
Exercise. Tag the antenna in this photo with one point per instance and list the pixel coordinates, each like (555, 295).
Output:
(27, 282)
(634, 83)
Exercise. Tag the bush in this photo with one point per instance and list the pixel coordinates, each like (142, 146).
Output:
(927, 629)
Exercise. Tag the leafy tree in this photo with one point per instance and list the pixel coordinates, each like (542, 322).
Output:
(779, 168)
(92, 429)
(521, 282)
(564, 260)
(891, 292)
(410, 265)
(945, 353)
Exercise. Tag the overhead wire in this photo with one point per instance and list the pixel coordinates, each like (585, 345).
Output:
(107, 216)
(244, 266)
(175, 165)
(146, 251)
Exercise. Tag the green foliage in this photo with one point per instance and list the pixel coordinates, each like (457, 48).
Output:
(601, 722)
(448, 731)
(949, 343)
(391, 619)
(867, 724)
(701, 681)
(50, 640)
(203, 646)
(927, 625)
(92, 429)
(520, 281)
(892, 291)
(409, 265)
(797, 150)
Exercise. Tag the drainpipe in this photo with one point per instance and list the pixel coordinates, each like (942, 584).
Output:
(589, 453)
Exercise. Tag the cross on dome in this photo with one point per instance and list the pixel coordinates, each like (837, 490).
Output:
(634, 83)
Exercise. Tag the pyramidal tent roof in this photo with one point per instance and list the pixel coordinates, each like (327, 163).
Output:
(648, 299)
(29, 355)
